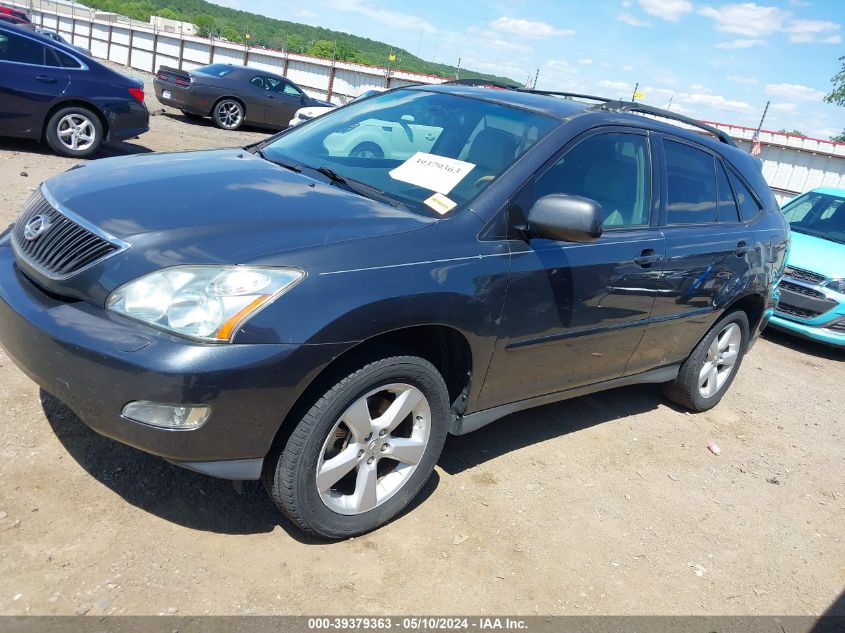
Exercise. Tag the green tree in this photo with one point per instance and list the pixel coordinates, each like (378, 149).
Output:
(169, 14)
(322, 48)
(231, 34)
(205, 24)
(837, 95)
(296, 43)
(795, 132)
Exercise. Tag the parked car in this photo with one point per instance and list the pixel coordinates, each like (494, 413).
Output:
(25, 25)
(50, 92)
(14, 12)
(322, 322)
(812, 291)
(306, 114)
(56, 37)
(232, 95)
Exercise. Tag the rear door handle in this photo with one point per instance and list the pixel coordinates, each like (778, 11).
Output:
(47, 79)
(742, 248)
(647, 258)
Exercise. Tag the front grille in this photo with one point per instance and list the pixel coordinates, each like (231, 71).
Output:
(837, 326)
(802, 290)
(795, 311)
(804, 275)
(64, 248)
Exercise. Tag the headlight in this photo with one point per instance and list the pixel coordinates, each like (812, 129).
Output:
(836, 284)
(202, 302)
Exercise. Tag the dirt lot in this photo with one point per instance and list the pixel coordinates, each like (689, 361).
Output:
(608, 504)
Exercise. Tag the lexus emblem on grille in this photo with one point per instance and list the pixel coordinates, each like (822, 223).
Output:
(36, 227)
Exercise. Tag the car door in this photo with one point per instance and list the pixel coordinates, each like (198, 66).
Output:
(256, 99)
(283, 100)
(708, 252)
(28, 86)
(575, 313)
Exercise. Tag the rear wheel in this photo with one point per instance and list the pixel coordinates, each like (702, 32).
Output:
(74, 131)
(228, 114)
(364, 450)
(366, 150)
(706, 375)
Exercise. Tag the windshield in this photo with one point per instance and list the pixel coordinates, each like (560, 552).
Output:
(427, 151)
(818, 214)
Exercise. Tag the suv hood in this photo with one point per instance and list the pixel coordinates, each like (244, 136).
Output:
(817, 255)
(218, 206)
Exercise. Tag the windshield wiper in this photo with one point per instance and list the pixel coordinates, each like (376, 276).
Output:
(281, 163)
(361, 188)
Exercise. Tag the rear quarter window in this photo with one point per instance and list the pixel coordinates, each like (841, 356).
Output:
(748, 207)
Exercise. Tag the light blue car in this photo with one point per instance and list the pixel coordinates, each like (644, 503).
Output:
(812, 292)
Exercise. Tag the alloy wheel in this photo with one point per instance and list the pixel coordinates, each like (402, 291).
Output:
(76, 132)
(722, 356)
(229, 114)
(372, 450)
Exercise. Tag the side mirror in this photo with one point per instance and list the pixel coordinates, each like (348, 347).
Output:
(566, 218)
(407, 118)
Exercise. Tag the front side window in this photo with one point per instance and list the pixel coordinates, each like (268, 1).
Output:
(290, 89)
(612, 169)
(394, 143)
(691, 177)
(818, 214)
(14, 48)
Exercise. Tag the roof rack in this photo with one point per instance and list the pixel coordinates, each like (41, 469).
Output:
(628, 106)
(570, 95)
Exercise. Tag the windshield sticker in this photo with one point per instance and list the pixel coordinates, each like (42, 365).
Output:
(430, 171)
(440, 203)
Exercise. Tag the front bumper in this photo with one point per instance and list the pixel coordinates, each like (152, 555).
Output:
(805, 330)
(97, 362)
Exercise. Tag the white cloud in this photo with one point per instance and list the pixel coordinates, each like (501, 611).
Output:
(717, 102)
(739, 79)
(747, 18)
(630, 20)
(795, 91)
(740, 43)
(803, 31)
(586, 62)
(785, 107)
(619, 86)
(561, 66)
(529, 29)
(391, 19)
(833, 39)
(670, 10)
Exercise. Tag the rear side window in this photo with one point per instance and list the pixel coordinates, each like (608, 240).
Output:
(748, 207)
(612, 169)
(59, 59)
(14, 48)
(691, 177)
(728, 211)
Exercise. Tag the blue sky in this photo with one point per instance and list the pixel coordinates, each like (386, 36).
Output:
(716, 60)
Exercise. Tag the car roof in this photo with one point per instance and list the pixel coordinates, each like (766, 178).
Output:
(830, 191)
(541, 104)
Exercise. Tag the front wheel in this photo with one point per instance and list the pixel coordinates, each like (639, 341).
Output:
(364, 450)
(708, 372)
(75, 132)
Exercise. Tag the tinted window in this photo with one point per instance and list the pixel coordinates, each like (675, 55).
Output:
(218, 70)
(748, 207)
(692, 184)
(818, 214)
(60, 60)
(612, 169)
(727, 205)
(14, 48)
(258, 82)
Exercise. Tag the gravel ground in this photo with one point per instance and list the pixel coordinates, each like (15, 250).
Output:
(607, 504)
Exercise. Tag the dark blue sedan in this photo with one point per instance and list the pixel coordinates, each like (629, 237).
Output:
(51, 92)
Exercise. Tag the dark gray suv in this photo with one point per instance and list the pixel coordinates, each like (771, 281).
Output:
(320, 319)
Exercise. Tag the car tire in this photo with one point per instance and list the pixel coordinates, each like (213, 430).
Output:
(353, 421)
(228, 114)
(708, 372)
(366, 150)
(74, 131)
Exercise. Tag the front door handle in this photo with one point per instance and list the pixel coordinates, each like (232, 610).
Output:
(647, 258)
(742, 248)
(47, 79)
